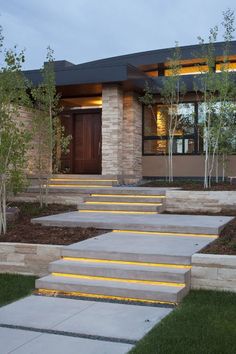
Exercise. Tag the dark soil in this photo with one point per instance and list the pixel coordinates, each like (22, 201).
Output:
(23, 231)
(226, 243)
(191, 185)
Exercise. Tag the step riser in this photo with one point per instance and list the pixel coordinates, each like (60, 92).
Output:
(83, 182)
(103, 290)
(121, 207)
(75, 176)
(133, 192)
(122, 274)
(124, 199)
(129, 257)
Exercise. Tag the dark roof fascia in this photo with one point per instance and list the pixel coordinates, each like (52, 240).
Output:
(157, 56)
(108, 74)
(191, 82)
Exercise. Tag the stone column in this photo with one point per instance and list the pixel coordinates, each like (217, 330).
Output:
(112, 126)
(132, 138)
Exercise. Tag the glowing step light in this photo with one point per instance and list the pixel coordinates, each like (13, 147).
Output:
(127, 195)
(81, 180)
(146, 264)
(120, 280)
(165, 233)
(116, 211)
(47, 292)
(124, 203)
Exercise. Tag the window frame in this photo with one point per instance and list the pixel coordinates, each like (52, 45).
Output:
(194, 136)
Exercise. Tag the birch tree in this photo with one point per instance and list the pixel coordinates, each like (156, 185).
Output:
(14, 137)
(217, 96)
(172, 93)
(49, 134)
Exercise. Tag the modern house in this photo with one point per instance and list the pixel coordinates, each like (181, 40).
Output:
(113, 134)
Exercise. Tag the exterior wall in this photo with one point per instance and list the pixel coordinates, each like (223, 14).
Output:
(112, 126)
(25, 258)
(200, 201)
(184, 166)
(213, 272)
(31, 166)
(121, 134)
(132, 139)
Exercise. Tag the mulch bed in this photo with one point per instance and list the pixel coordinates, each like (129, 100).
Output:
(191, 185)
(22, 230)
(226, 243)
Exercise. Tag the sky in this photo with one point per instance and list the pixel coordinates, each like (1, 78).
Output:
(85, 30)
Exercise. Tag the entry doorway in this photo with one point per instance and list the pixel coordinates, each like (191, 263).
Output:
(84, 126)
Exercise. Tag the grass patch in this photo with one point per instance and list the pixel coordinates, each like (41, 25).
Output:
(15, 286)
(205, 323)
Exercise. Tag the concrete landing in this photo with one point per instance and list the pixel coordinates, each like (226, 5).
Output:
(162, 222)
(139, 247)
(57, 325)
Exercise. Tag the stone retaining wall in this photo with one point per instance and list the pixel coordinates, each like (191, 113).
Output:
(25, 258)
(200, 201)
(213, 272)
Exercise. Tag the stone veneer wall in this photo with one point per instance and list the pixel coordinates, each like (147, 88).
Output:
(132, 138)
(121, 134)
(200, 201)
(213, 272)
(112, 125)
(31, 167)
(25, 258)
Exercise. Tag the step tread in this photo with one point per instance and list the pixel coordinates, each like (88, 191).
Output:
(117, 207)
(85, 264)
(114, 284)
(152, 273)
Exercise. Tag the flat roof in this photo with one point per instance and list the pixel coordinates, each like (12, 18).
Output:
(123, 69)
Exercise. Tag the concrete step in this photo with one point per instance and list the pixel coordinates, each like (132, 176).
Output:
(78, 182)
(125, 270)
(120, 207)
(125, 199)
(133, 191)
(79, 189)
(118, 288)
(187, 224)
(87, 177)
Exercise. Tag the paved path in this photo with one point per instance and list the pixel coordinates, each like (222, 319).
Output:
(50, 325)
(115, 265)
(162, 222)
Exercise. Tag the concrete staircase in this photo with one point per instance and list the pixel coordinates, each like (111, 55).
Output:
(126, 266)
(66, 183)
(125, 201)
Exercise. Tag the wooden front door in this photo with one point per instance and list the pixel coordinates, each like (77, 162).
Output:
(84, 155)
(87, 143)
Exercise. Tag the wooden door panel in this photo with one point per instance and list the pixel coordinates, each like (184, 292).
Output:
(67, 158)
(87, 140)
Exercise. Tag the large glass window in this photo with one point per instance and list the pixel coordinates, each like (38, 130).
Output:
(156, 128)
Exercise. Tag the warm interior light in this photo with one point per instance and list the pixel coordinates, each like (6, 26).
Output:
(226, 67)
(99, 296)
(166, 233)
(145, 264)
(120, 280)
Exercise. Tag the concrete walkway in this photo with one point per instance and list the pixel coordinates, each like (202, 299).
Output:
(112, 288)
(163, 222)
(48, 325)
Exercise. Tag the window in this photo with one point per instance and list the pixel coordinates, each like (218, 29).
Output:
(155, 130)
